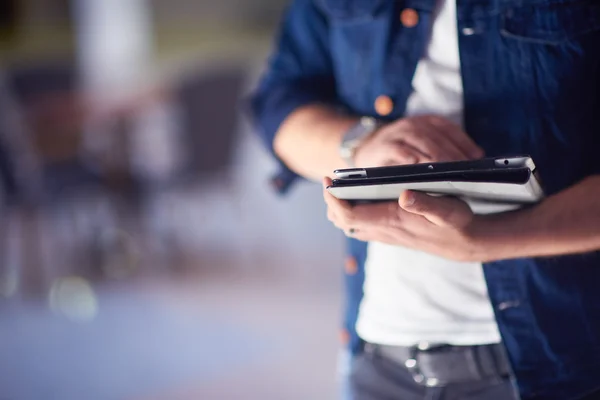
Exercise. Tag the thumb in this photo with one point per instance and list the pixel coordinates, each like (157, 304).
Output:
(443, 211)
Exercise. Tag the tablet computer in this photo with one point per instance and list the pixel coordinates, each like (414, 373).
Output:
(488, 185)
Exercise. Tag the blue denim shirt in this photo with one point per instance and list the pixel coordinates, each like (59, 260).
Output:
(531, 79)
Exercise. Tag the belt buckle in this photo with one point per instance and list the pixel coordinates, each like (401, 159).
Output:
(412, 364)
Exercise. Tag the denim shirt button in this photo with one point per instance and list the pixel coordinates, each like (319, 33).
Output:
(344, 337)
(467, 31)
(384, 105)
(505, 305)
(409, 18)
(351, 266)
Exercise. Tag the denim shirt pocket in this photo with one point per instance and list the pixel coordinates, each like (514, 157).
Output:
(550, 22)
(358, 35)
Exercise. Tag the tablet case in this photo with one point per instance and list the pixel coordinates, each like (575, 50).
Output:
(487, 185)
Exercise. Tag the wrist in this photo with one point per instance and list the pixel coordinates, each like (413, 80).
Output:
(359, 155)
(486, 240)
(503, 236)
(354, 138)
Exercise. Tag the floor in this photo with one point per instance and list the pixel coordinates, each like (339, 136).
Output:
(226, 336)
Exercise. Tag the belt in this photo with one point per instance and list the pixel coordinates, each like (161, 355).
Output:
(436, 365)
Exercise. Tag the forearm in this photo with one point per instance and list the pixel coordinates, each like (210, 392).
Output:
(566, 223)
(309, 138)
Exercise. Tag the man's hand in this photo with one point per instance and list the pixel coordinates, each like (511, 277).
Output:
(437, 225)
(416, 140)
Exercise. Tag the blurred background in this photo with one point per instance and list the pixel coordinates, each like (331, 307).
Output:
(143, 254)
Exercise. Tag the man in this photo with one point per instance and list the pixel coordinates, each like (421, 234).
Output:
(451, 80)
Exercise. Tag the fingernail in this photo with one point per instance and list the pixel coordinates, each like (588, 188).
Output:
(478, 153)
(409, 199)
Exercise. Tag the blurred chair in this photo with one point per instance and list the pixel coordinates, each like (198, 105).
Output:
(10, 135)
(59, 204)
(205, 104)
(104, 218)
(209, 102)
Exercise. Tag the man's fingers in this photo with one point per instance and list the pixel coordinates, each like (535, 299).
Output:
(428, 141)
(396, 237)
(441, 211)
(449, 146)
(459, 137)
(383, 214)
(339, 211)
(345, 216)
(435, 136)
(331, 215)
(464, 142)
(448, 149)
(402, 154)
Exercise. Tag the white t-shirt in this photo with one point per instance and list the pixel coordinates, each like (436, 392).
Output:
(411, 296)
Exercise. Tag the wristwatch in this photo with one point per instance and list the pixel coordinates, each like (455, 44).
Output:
(354, 137)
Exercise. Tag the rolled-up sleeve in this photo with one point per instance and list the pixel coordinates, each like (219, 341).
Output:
(299, 72)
